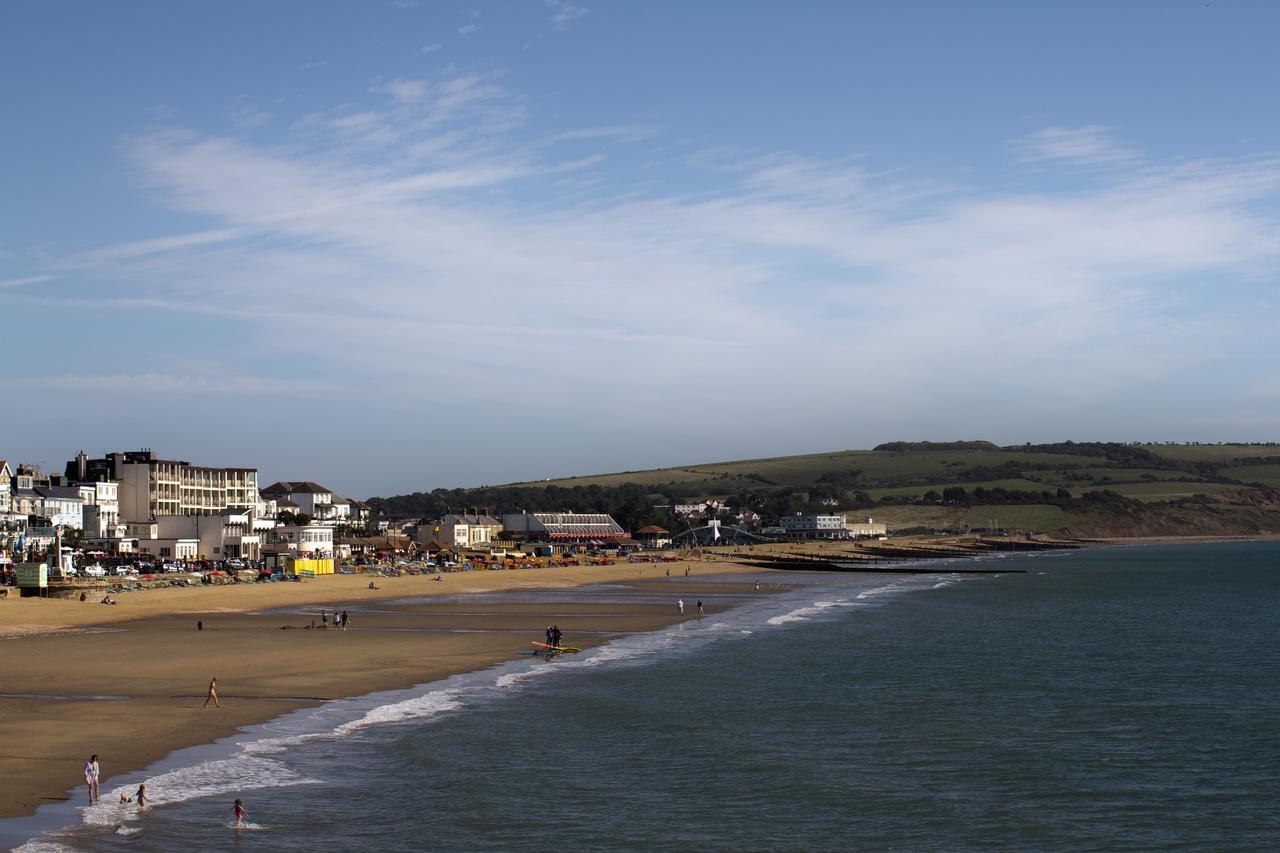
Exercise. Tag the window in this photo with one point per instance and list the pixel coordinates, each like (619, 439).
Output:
(164, 552)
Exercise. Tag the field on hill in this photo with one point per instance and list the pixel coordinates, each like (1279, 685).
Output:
(1092, 488)
(1024, 487)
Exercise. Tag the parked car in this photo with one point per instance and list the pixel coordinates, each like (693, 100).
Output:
(172, 567)
(235, 564)
(95, 571)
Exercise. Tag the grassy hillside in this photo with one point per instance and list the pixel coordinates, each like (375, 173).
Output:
(1045, 487)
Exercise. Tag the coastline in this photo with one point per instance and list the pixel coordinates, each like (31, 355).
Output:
(103, 675)
(128, 682)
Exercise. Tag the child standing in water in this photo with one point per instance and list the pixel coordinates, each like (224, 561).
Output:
(142, 796)
(241, 814)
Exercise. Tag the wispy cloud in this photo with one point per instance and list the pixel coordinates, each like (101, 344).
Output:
(564, 13)
(1090, 146)
(245, 116)
(430, 48)
(24, 281)
(429, 243)
(617, 132)
(467, 29)
(148, 385)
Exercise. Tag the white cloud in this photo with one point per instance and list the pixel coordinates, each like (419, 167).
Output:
(407, 91)
(429, 246)
(24, 281)
(1088, 146)
(245, 116)
(467, 29)
(144, 385)
(565, 13)
(619, 132)
(430, 48)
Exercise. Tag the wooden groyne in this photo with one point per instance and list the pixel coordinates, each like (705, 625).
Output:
(893, 558)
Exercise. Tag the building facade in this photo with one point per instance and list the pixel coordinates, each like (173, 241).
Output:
(150, 487)
(569, 527)
(460, 531)
(814, 526)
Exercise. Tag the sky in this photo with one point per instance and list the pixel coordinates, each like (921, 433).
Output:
(393, 246)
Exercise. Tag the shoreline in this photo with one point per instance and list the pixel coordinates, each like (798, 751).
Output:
(108, 673)
(81, 645)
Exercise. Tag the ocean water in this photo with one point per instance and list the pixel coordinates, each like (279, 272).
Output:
(1112, 699)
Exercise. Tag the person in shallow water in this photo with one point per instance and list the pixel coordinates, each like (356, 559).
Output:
(241, 814)
(91, 778)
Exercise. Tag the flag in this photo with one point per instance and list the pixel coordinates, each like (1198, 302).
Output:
(715, 533)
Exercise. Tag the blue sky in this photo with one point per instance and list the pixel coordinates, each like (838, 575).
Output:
(399, 245)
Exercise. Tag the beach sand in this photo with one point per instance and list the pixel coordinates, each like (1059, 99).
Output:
(128, 682)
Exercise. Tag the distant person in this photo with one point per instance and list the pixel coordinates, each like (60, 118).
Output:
(241, 814)
(344, 620)
(551, 636)
(699, 606)
(686, 572)
(555, 635)
(91, 778)
(668, 573)
(141, 796)
(213, 694)
(680, 606)
(757, 586)
(324, 618)
(199, 624)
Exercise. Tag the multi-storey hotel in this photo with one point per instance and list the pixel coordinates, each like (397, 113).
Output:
(151, 487)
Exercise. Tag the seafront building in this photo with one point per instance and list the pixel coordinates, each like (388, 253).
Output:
(578, 528)
(460, 531)
(827, 527)
(150, 487)
(321, 505)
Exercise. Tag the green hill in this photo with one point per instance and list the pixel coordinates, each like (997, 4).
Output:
(919, 485)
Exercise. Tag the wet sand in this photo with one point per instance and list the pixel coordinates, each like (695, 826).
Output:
(128, 682)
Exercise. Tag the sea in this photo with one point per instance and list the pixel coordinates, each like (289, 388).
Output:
(1121, 698)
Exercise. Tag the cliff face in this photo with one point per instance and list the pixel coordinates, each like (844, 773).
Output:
(1246, 512)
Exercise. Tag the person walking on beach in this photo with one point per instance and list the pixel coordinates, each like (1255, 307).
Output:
(699, 606)
(324, 618)
(680, 606)
(551, 636)
(555, 635)
(343, 619)
(91, 778)
(213, 694)
(241, 814)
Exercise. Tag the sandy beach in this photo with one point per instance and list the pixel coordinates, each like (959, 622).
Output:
(128, 682)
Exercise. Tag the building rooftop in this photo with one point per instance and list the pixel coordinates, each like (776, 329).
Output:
(295, 487)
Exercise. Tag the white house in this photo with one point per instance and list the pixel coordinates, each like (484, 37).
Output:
(814, 526)
(460, 531)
